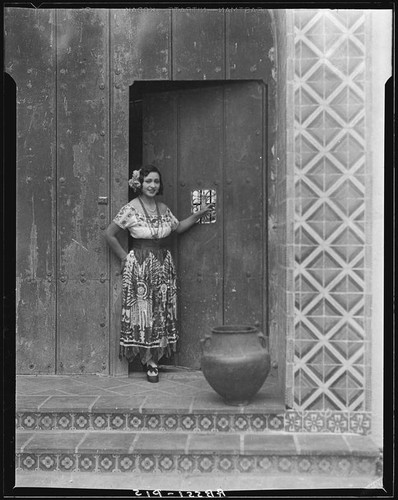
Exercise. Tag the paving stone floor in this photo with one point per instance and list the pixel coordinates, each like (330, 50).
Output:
(177, 391)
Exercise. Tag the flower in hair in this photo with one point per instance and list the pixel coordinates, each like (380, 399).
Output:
(134, 182)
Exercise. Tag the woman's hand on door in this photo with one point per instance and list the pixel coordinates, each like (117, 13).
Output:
(192, 219)
(206, 209)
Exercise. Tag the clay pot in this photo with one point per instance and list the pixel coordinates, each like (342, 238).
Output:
(235, 362)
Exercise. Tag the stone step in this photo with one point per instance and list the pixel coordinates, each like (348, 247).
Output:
(184, 452)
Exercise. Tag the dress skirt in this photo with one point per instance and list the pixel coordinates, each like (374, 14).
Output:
(149, 302)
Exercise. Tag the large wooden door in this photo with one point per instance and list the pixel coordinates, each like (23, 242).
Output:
(212, 136)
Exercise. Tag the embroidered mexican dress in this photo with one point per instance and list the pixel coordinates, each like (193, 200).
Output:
(149, 291)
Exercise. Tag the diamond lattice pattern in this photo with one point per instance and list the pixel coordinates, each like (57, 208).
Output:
(329, 152)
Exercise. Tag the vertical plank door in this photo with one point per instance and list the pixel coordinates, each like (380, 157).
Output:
(244, 204)
(30, 60)
(82, 154)
(200, 255)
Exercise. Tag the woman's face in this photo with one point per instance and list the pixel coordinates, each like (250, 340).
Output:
(151, 184)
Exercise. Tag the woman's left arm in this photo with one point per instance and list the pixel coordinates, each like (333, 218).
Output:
(185, 224)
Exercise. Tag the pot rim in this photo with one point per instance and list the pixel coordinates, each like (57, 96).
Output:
(234, 329)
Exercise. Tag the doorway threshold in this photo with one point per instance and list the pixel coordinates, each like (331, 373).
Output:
(186, 390)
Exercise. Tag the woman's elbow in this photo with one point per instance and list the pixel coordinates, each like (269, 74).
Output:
(109, 232)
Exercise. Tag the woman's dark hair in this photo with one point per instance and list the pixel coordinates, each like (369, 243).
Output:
(144, 172)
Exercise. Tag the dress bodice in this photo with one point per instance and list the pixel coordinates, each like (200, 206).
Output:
(140, 227)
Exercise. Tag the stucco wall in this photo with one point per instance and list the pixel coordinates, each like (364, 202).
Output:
(381, 70)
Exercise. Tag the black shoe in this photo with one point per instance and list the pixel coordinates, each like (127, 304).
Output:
(152, 374)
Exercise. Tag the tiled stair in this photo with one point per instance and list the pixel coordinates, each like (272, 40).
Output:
(155, 432)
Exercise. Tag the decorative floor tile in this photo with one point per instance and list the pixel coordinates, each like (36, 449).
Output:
(360, 423)
(223, 423)
(99, 421)
(67, 462)
(246, 464)
(305, 465)
(185, 464)
(136, 422)
(293, 422)
(106, 463)
(325, 465)
(63, 421)
(126, 463)
(266, 463)
(226, 464)
(314, 421)
(48, 462)
(28, 461)
(86, 463)
(241, 423)
(258, 422)
(344, 465)
(153, 422)
(188, 422)
(29, 420)
(81, 421)
(170, 422)
(337, 422)
(117, 421)
(206, 423)
(46, 421)
(206, 463)
(365, 466)
(275, 422)
(285, 464)
(166, 463)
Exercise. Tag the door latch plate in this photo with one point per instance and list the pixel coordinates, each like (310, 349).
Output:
(199, 199)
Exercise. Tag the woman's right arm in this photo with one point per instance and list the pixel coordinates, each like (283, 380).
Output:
(111, 233)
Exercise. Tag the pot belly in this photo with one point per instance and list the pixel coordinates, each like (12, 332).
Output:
(236, 378)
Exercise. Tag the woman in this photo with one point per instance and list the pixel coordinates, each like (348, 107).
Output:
(149, 323)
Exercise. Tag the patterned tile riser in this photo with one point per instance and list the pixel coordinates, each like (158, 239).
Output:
(290, 421)
(149, 422)
(337, 465)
